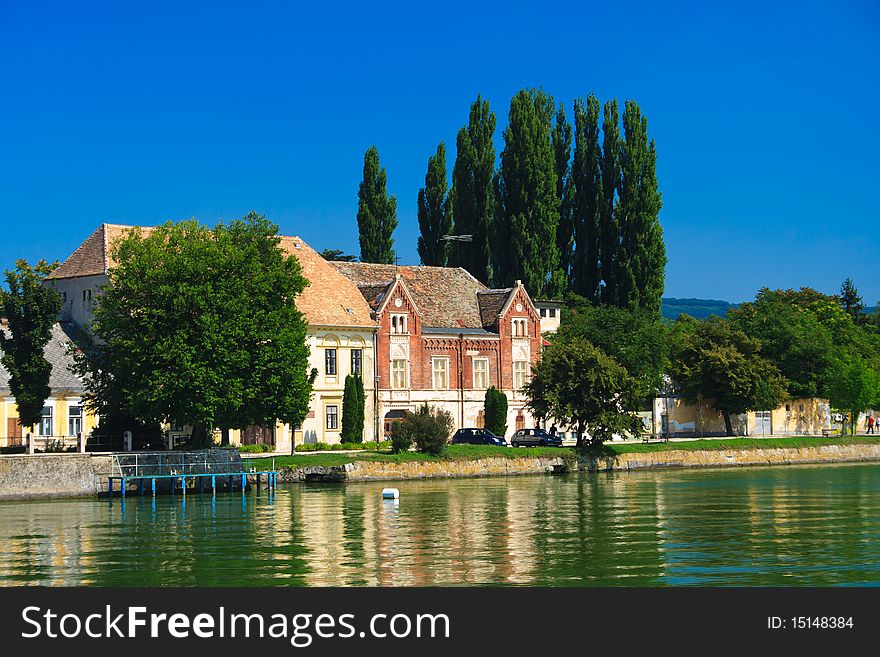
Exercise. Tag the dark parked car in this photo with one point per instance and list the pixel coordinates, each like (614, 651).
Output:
(476, 436)
(535, 438)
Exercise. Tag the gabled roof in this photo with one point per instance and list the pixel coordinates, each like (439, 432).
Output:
(92, 257)
(491, 302)
(446, 296)
(329, 300)
(61, 378)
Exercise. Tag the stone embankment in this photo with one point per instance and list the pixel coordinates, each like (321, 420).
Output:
(390, 470)
(53, 475)
(734, 457)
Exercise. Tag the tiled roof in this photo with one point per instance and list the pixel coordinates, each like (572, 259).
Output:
(92, 257)
(448, 297)
(55, 352)
(329, 300)
(491, 302)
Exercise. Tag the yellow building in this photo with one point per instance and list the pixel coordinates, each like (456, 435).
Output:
(63, 417)
(341, 334)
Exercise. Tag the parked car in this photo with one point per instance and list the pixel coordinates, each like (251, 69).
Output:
(535, 438)
(477, 436)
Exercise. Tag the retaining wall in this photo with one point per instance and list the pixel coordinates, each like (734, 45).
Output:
(53, 475)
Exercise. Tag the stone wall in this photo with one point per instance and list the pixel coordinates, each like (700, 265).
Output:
(377, 470)
(735, 457)
(53, 475)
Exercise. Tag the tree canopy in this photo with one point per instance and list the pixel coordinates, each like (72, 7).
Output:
(434, 212)
(711, 360)
(201, 326)
(579, 385)
(31, 308)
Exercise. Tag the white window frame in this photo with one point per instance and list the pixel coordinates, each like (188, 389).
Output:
(403, 371)
(79, 418)
(435, 362)
(520, 374)
(44, 428)
(399, 324)
(485, 372)
(520, 327)
(327, 417)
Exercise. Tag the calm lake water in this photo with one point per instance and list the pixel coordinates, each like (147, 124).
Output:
(800, 526)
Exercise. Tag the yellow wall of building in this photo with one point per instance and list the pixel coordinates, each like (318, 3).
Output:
(60, 404)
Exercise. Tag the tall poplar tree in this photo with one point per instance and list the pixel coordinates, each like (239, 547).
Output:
(377, 212)
(642, 258)
(435, 212)
(609, 230)
(561, 136)
(472, 194)
(586, 175)
(527, 215)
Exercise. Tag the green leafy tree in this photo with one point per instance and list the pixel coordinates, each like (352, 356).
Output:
(434, 212)
(337, 255)
(473, 201)
(353, 410)
(527, 214)
(712, 360)
(802, 332)
(580, 386)
(377, 212)
(586, 204)
(561, 136)
(31, 308)
(851, 300)
(635, 339)
(495, 411)
(641, 262)
(854, 386)
(201, 327)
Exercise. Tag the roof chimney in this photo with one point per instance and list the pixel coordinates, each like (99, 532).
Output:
(518, 283)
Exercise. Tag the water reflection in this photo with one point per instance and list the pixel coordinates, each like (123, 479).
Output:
(796, 526)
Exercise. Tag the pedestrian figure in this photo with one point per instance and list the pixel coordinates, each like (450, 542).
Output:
(871, 423)
(553, 430)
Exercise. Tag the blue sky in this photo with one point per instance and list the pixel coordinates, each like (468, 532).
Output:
(763, 114)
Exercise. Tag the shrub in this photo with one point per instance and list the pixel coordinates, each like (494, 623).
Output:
(254, 449)
(429, 428)
(495, 411)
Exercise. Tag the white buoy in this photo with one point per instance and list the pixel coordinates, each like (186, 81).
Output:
(390, 493)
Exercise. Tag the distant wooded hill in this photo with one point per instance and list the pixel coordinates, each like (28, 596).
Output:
(699, 308)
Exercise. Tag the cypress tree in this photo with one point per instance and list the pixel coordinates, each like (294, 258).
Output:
(609, 231)
(352, 411)
(586, 175)
(642, 259)
(377, 212)
(561, 137)
(527, 213)
(472, 195)
(435, 212)
(495, 411)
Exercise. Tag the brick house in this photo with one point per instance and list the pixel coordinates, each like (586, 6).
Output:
(444, 338)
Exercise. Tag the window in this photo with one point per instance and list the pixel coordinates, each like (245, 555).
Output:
(84, 295)
(520, 369)
(330, 362)
(398, 324)
(64, 297)
(553, 312)
(440, 373)
(520, 327)
(357, 361)
(45, 426)
(74, 420)
(481, 373)
(543, 312)
(332, 416)
(398, 373)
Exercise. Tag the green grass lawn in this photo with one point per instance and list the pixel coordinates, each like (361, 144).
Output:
(463, 452)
